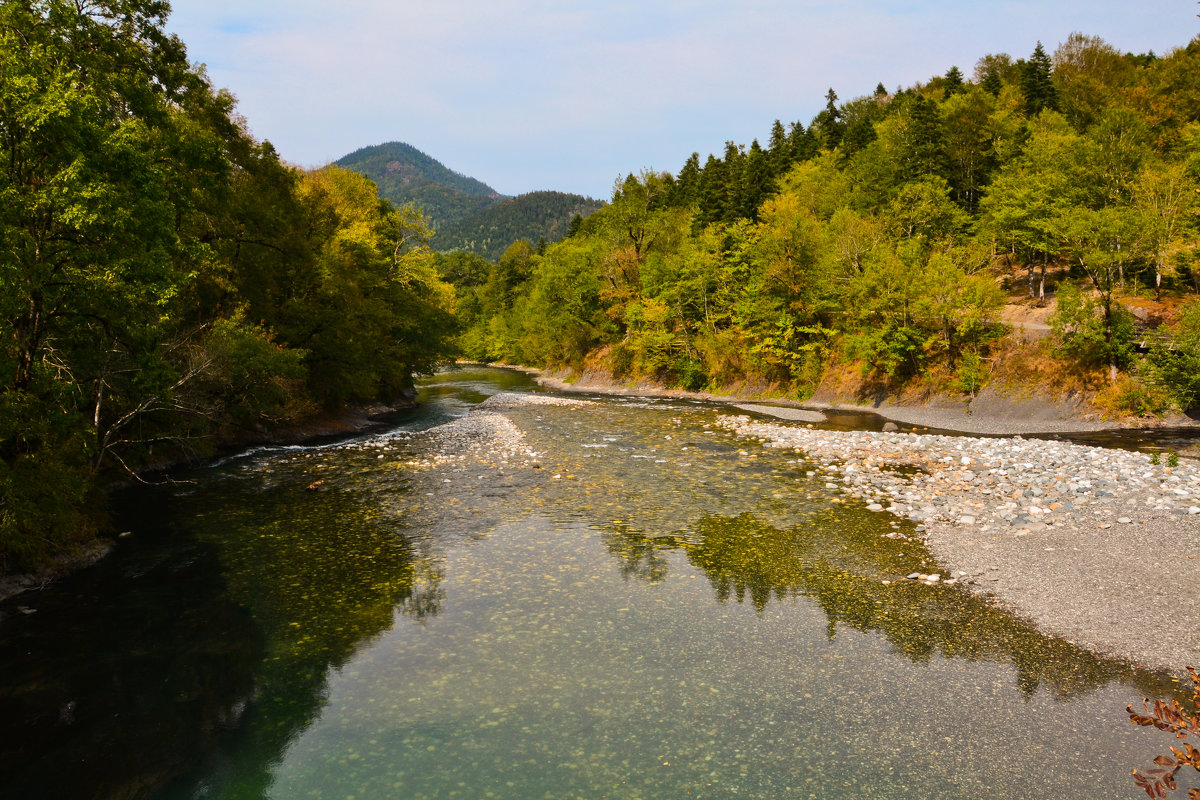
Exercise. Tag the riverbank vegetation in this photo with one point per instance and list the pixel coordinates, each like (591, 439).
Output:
(167, 282)
(882, 245)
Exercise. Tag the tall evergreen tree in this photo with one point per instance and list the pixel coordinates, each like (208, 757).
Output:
(1037, 82)
(687, 186)
(992, 83)
(711, 192)
(780, 151)
(801, 142)
(954, 82)
(828, 123)
(756, 181)
(735, 168)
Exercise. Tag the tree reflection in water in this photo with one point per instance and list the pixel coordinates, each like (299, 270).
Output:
(839, 561)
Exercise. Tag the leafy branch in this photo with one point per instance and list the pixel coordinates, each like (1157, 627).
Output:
(1173, 718)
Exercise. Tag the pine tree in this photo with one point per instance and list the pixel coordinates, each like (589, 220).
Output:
(756, 181)
(880, 90)
(687, 186)
(991, 82)
(954, 82)
(735, 168)
(801, 142)
(780, 150)
(1037, 82)
(828, 123)
(710, 193)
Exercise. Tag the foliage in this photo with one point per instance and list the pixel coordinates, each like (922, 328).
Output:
(1080, 328)
(1173, 362)
(880, 233)
(1175, 719)
(532, 217)
(165, 281)
(406, 175)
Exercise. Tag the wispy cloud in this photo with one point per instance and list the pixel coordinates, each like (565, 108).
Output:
(537, 94)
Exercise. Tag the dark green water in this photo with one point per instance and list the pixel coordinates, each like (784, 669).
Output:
(659, 611)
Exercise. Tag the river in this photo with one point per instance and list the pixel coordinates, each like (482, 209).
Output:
(628, 602)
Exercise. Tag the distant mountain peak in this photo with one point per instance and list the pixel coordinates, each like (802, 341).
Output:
(465, 213)
(398, 161)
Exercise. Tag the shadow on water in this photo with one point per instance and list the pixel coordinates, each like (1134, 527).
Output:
(124, 675)
(207, 637)
(207, 640)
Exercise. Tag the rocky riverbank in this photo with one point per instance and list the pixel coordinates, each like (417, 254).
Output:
(993, 412)
(1093, 545)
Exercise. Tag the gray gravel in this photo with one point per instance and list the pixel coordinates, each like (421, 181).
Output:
(1094, 545)
(783, 412)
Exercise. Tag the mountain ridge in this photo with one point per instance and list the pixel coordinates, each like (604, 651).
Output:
(464, 212)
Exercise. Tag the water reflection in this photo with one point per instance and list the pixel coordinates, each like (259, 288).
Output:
(840, 561)
(119, 682)
(455, 625)
(321, 575)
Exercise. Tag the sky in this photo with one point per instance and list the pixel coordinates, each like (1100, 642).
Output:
(539, 94)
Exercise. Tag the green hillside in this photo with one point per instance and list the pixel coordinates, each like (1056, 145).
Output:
(467, 214)
(883, 246)
(406, 175)
(533, 216)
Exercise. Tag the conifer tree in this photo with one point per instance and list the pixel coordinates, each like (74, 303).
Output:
(756, 181)
(991, 81)
(711, 191)
(954, 82)
(686, 188)
(828, 123)
(1037, 82)
(779, 149)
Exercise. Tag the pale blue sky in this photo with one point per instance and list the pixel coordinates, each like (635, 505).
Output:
(569, 95)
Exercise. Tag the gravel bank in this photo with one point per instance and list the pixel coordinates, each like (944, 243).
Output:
(1096, 546)
(994, 415)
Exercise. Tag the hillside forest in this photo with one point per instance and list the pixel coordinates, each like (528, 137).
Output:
(170, 285)
(464, 213)
(876, 248)
(167, 283)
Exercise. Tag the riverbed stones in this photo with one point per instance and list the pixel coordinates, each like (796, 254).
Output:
(1020, 485)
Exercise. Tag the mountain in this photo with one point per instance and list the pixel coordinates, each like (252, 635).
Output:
(406, 175)
(465, 213)
(533, 216)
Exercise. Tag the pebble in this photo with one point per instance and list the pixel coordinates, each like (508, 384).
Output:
(1014, 485)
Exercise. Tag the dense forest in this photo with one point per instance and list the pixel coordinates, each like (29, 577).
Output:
(167, 283)
(877, 245)
(405, 175)
(535, 217)
(464, 213)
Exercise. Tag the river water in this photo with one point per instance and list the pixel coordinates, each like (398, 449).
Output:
(646, 608)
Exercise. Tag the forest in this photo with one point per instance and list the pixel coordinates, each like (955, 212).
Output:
(167, 283)
(876, 247)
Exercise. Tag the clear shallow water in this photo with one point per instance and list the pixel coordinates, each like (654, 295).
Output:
(660, 610)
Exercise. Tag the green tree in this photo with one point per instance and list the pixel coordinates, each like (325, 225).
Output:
(828, 125)
(953, 83)
(1037, 82)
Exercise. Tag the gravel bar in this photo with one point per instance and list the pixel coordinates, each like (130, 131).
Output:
(1093, 545)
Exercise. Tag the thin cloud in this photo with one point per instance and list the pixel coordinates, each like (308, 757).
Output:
(568, 95)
